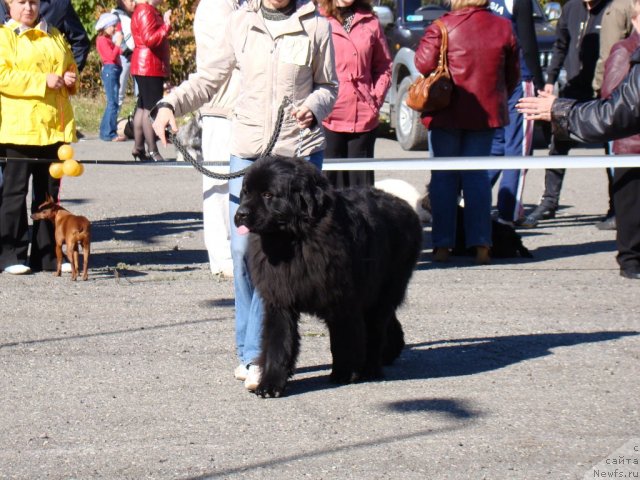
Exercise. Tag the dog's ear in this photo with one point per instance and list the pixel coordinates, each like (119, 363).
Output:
(315, 191)
(48, 198)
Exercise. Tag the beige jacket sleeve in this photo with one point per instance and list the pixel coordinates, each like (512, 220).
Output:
(325, 78)
(209, 28)
(215, 65)
(616, 25)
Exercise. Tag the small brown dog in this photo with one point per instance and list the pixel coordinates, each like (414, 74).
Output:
(70, 230)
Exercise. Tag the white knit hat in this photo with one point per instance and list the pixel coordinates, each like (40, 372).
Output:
(106, 20)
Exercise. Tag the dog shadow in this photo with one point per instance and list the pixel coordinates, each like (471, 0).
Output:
(460, 357)
(146, 231)
(470, 356)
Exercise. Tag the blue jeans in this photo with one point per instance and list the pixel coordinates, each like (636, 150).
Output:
(446, 185)
(247, 301)
(111, 81)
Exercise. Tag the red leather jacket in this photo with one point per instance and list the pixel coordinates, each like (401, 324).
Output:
(615, 69)
(484, 64)
(151, 54)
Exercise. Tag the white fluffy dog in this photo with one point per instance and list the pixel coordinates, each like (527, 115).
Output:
(408, 193)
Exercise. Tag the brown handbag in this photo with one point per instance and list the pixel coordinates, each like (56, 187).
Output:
(433, 93)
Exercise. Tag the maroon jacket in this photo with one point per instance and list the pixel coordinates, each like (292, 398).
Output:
(484, 64)
(615, 70)
(151, 54)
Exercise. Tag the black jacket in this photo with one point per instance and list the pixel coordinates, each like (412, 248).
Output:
(601, 120)
(60, 14)
(577, 47)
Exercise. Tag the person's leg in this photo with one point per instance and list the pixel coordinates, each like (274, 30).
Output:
(104, 130)
(42, 256)
(518, 142)
(216, 132)
(112, 100)
(138, 133)
(247, 301)
(336, 147)
(249, 309)
(553, 179)
(124, 80)
(361, 145)
(627, 200)
(497, 150)
(14, 226)
(476, 190)
(612, 209)
(151, 90)
(444, 188)
(111, 82)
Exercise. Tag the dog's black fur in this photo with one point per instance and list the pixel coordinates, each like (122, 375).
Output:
(345, 256)
(507, 243)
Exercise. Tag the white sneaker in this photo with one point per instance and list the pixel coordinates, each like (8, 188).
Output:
(253, 377)
(17, 270)
(241, 372)
(224, 269)
(66, 267)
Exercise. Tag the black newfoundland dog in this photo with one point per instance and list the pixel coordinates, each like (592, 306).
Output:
(345, 256)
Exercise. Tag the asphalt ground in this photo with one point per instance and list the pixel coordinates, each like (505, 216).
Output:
(522, 369)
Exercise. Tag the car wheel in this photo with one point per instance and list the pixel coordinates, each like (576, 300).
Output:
(410, 132)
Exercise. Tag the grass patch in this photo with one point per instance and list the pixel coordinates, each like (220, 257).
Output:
(88, 111)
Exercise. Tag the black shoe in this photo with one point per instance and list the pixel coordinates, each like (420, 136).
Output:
(140, 156)
(156, 157)
(630, 272)
(539, 213)
(608, 223)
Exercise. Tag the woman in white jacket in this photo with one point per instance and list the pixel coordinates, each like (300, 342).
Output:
(282, 49)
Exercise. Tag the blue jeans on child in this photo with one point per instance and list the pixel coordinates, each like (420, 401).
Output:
(111, 80)
(247, 301)
(446, 185)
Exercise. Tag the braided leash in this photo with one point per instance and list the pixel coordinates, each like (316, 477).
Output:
(228, 176)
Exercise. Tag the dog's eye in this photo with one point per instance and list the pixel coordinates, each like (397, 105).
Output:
(267, 195)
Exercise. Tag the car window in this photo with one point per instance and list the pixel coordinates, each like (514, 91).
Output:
(425, 10)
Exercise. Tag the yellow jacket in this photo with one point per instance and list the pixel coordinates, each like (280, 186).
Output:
(30, 112)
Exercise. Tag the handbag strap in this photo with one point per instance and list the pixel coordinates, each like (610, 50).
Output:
(443, 62)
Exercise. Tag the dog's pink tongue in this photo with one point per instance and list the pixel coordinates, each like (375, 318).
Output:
(242, 230)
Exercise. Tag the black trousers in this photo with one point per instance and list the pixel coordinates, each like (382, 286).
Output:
(554, 177)
(626, 192)
(350, 145)
(14, 221)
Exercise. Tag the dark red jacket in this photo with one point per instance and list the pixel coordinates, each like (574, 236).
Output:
(484, 64)
(615, 69)
(151, 54)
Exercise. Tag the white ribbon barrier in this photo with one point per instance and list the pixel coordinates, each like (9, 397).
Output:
(439, 163)
(482, 163)
(466, 163)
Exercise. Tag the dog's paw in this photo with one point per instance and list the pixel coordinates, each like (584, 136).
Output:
(266, 390)
(343, 376)
(371, 373)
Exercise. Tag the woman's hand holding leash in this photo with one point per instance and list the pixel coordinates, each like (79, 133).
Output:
(164, 118)
(304, 117)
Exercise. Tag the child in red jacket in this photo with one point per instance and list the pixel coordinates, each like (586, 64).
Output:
(108, 44)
